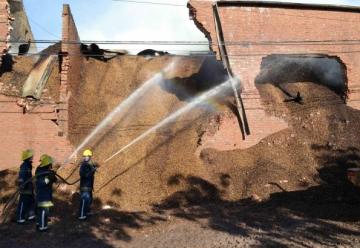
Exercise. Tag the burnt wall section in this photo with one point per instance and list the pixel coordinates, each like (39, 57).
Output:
(21, 29)
(71, 64)
(254, 30)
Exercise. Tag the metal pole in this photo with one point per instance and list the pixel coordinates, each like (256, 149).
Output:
(225, 60)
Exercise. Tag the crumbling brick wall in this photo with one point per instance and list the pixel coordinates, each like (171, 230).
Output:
(71, 64)
(35, 129)
(38, 127)
(21, 29)
(260, 29)
(5, 27)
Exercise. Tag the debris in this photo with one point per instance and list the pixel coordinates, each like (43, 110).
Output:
(283, 181)
(107, 220)
(255, 198)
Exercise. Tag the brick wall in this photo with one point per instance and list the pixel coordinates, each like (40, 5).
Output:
(21, 27)
(260, 27)
(35, 130)
(41, 127)
(70, 67)
(5, 27)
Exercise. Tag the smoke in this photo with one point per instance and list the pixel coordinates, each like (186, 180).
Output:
(323, 70)
(210, 74)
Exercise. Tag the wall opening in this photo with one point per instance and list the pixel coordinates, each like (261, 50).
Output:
(323, 70)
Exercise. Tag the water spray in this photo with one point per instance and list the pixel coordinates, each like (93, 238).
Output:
(195, 102)
(114, 116)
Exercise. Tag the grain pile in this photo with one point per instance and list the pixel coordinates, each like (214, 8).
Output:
(158, 166)
(160, 192)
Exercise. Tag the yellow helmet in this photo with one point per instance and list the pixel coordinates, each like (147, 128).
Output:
(45, 160)
(87, 153)
(27, 154)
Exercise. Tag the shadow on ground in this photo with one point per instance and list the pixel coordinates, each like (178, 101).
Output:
(323, 215)
(66, 231)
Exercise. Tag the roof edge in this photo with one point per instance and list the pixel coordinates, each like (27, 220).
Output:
(273, 4)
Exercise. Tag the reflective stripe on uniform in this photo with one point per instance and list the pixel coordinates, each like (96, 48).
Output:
(86, 189)
(21, 210)
(43, 219)
(26, 192)
(82, 208)
(45, 204)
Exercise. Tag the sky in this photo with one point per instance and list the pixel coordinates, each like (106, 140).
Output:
(115, 20)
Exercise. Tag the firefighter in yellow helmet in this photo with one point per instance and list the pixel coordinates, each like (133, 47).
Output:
(87, 176)
(45, 177)
(26, 207)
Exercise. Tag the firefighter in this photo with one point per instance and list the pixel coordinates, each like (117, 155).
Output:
(45, 177)
(25, 210)
(87, 172)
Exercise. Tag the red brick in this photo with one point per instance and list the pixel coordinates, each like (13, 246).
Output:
(22, 131)
(254, 24)
(71, 64)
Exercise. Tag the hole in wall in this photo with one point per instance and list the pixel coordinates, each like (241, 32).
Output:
(324, 70)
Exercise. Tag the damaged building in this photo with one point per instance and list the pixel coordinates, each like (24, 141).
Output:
(240, 169)
(248, 35)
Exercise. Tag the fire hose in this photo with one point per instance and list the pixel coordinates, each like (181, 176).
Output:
(13, 197)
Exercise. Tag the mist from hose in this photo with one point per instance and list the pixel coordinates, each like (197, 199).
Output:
(118, 112)
(192, 104)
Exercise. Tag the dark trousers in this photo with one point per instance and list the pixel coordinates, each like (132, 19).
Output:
(25, 208)
(85, 204)
(42, 218)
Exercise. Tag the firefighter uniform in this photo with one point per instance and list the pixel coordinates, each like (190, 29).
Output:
(25, 209)
(45, 177)
(87, 175)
